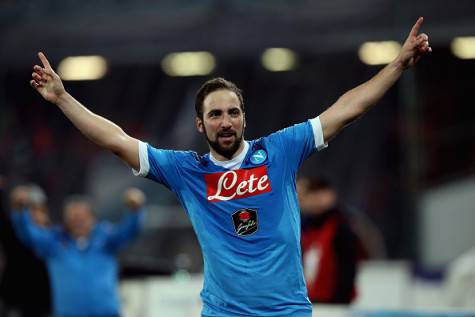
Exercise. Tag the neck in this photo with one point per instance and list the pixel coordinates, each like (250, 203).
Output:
(222, 158)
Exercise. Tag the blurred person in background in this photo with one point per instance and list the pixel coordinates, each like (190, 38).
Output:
(81, 253)
(240, 197)
(24, 284)
(331, 249)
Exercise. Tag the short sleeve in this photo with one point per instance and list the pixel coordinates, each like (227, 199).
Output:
(299, 141)
(160, 165)
(318, 133)
(143, 159)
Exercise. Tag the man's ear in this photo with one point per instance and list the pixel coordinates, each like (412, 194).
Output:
(199, 124)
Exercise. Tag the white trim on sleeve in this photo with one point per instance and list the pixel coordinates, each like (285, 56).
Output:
(318, 133)
(143, 158)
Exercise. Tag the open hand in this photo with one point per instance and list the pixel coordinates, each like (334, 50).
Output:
(46, 81)
(415, 46)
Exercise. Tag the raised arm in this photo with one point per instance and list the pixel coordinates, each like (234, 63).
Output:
(40, 239)
(131, 224)
(19, 198)
(99, 130)
(357, 101)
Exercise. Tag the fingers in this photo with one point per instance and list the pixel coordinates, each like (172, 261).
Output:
(423, 37)
(424, 47)
(41, 72)
(40, 76)
(415, 46)
(35, 84)
(415, 29)
(45, 61)
(422, 43)
(37, 77)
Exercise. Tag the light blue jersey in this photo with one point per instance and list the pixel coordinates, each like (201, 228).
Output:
(247, 221)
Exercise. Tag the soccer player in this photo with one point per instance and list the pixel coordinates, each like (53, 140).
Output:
(240, 197)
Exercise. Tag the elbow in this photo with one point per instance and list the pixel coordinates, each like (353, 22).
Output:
(117, 144)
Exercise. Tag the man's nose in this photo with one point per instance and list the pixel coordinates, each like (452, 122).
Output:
(226, 122)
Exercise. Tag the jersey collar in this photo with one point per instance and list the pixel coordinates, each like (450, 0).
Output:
(234, 163)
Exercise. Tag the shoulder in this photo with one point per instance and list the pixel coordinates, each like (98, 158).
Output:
(166, 156)
(187, 155)
(292, 131)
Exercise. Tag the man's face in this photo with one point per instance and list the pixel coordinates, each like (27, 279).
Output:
(223, 122)
(78, 219)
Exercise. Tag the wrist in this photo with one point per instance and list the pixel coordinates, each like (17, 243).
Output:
(398, 64)
(63, 98)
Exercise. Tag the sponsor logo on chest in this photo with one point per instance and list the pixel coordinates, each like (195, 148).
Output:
(245, 221)
(237, 184)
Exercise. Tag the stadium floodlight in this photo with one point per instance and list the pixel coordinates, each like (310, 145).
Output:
(279, 59)
(82, 68)
(188, 63)
(378, 53)
(463, 47)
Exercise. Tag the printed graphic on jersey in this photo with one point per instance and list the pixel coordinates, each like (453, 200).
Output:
(245, 221)
(258, 157)
(237, 184)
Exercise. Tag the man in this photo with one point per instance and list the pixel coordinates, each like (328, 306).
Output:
(24, 285)
(81, 254)
(331, 249)
(241, 196)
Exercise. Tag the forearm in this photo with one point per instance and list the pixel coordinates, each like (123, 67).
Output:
(19, 224)
(98, 129)
(358, 100)
(366, 95)
(126, 230)
(28, 231)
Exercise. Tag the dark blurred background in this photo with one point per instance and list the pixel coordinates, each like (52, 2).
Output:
(419, 138)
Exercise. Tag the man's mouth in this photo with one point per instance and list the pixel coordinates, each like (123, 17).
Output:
(226, 135)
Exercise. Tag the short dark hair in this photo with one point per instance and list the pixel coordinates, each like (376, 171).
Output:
(211, 86)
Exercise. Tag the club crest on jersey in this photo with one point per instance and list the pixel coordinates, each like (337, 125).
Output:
(258, 157)
(237, 184)
(245, 221)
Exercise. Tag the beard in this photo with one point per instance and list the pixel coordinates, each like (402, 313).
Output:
(229, 150)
